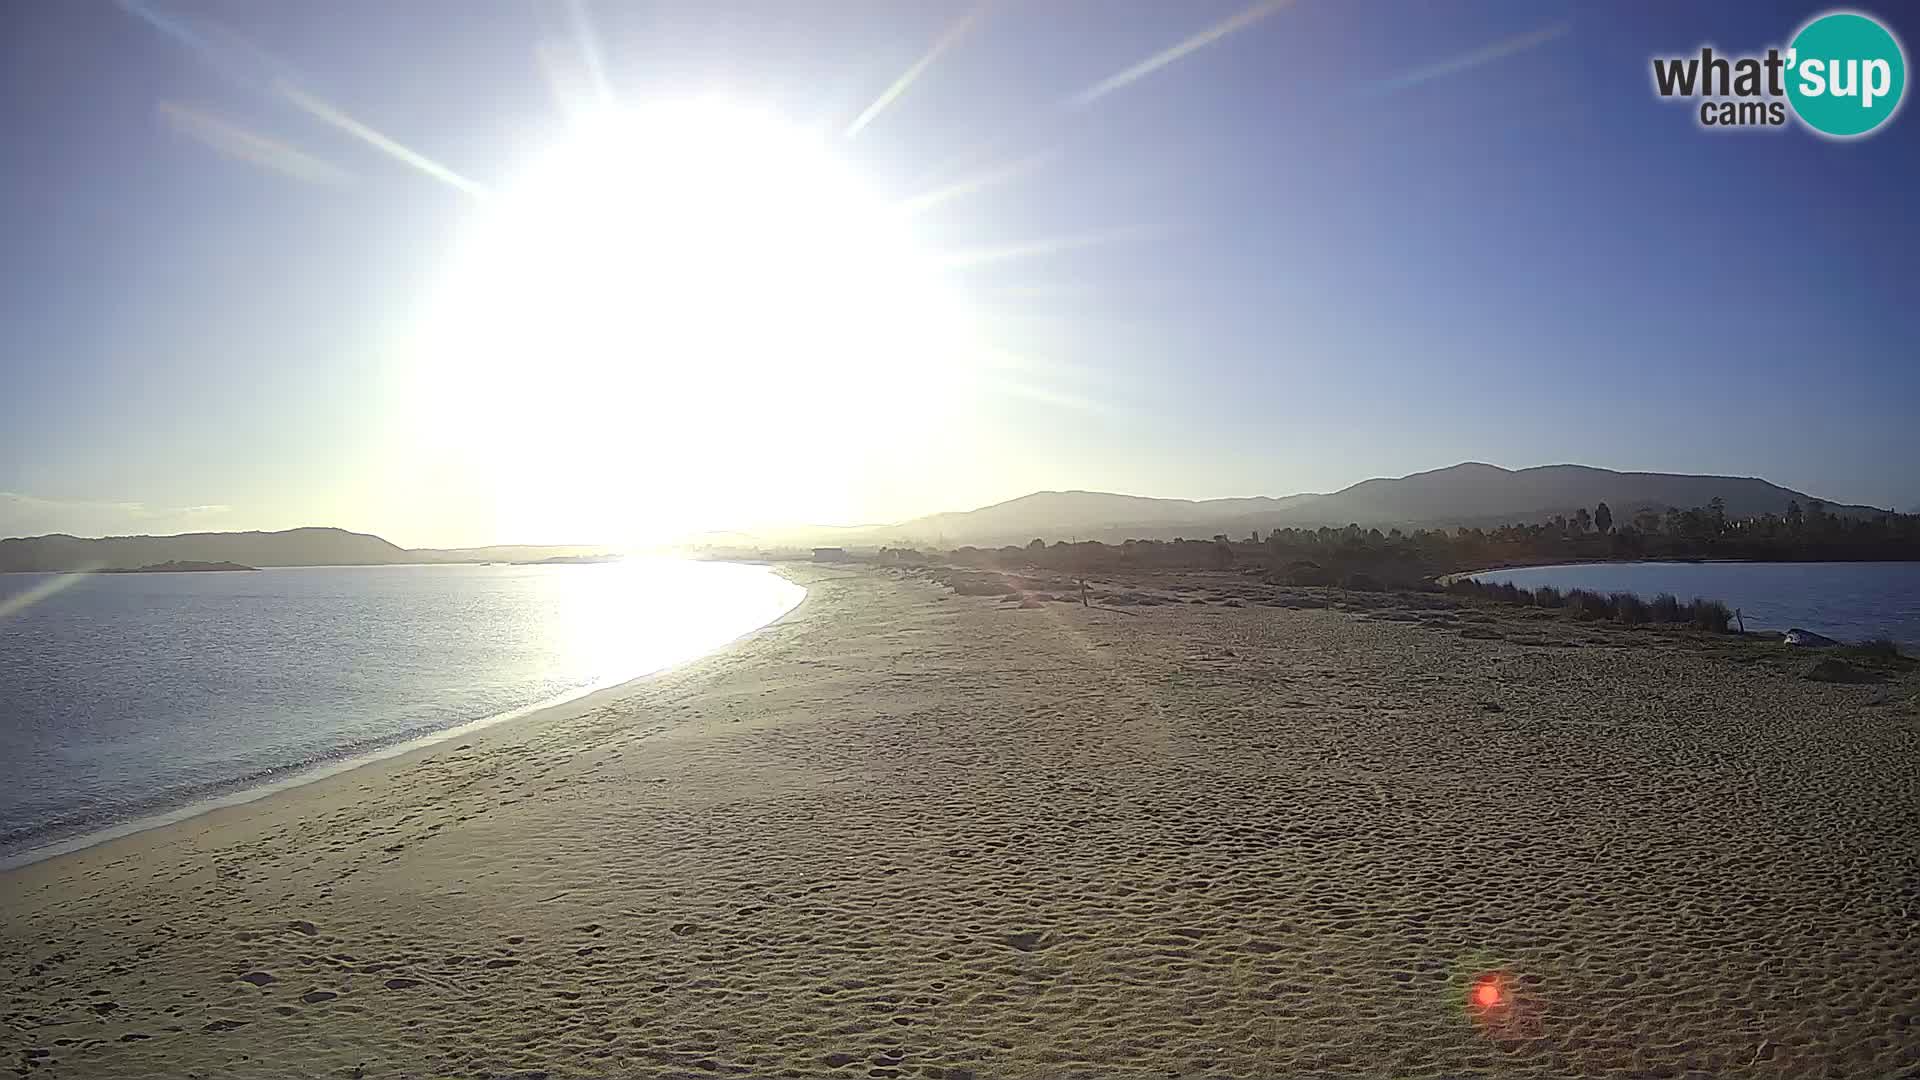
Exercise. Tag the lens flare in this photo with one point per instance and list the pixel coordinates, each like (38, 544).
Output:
(21, 601)
(1501, 1012)
(1488, 993)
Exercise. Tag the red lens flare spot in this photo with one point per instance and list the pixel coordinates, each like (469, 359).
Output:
(1488, 992)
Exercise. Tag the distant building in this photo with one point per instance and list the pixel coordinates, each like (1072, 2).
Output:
(829, 554)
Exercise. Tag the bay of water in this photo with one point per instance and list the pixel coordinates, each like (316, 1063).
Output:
(123, 696)
(1850, 601)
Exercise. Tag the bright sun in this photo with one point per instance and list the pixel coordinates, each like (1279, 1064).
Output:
(645, 329)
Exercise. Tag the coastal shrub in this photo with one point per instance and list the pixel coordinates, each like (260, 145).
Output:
(1711, 615)
(1629, 609)
(1832, 669)
(1880, 648)
(1587, 604)
(1305, 572)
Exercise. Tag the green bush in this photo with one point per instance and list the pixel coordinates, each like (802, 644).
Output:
(1711, 615)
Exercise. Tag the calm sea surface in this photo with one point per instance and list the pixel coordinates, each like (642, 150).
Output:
(1849, 601)
(124, 696)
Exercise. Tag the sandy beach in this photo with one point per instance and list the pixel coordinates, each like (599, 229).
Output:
(906, 833)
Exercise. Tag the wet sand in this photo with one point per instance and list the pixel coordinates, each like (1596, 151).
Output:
(909, 833)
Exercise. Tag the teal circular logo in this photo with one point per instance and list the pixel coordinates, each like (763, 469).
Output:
(1845, 74)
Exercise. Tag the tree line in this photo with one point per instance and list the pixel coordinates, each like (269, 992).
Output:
(1331, 556)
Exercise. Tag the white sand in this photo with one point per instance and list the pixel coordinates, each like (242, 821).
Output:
(906, 834)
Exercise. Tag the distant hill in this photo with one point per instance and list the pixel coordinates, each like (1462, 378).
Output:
(1059, 515)
(292, 547)
(508, 553)
(1471, 493)
(1474, 491)
(185, 568)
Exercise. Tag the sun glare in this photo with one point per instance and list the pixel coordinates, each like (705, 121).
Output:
(666, 307)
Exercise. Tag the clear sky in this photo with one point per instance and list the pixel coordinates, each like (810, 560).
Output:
(382, 265)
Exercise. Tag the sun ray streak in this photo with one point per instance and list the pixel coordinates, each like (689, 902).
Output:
(220, 47)
(1040, 290)
(328, 114)
(243, 145)
(1006, 360)
(1501, 49)
(1161, 59)
(188, 34)
(590, 52)
(900, 86)
(1020, 388)
(21, 601)
(969, 185)
(960, 260)
(1150, 733)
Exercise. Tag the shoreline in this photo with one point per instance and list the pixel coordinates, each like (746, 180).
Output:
(1687, 561)
(906, 833)
(556, 707)
(1445, 579)
(1761, 605)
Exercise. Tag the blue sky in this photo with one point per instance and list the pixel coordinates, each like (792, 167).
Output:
(1344, 240)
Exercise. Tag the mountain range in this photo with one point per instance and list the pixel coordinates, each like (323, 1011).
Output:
(1472, 494)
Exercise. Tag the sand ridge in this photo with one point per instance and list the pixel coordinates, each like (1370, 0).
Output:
(904, 833)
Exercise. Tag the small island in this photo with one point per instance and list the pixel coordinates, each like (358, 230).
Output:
(177, 566)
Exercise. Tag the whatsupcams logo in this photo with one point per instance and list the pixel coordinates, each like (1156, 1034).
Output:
(1843, 76)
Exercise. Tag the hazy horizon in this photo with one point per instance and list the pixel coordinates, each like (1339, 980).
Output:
(792, 529)
(594, 273)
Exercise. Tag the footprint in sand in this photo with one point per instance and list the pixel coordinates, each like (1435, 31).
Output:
(1027, 941)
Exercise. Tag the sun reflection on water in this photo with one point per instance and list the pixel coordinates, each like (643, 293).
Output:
(607, 618)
